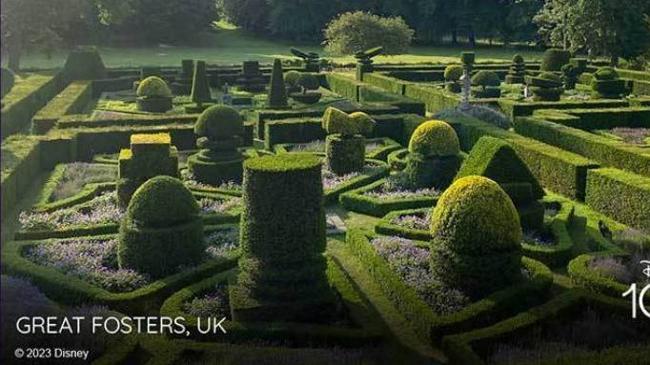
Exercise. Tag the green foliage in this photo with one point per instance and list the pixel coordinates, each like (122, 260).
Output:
(153, 87)
(336, 121)
(364, 122)
(517, 59)
(282, 257)
(431, 172)
(162, 229)
(486, 78)
(453, 72)
(606, 84)
(345, 155)
(308, 81)
(467, 58)
(606, 74)
(570, 75)
(434, 138)
(277, 97)
(354, 32)
(84, 64)
(219, 123)
(477, 237)
(554, 59)
(546, 87)
(200, 86)
(497, 160)
(291, 78)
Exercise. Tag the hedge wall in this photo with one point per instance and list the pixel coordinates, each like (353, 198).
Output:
(27, 96)
(20, 168)
(434, 99)
(582, 275)
(514, 109)
(621, 195)
(385, 82)
(599, 118)
(73, 99)
(609, 152)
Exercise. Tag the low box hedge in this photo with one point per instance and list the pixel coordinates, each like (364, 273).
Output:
(73, 99)
(433, 327)
(386, 226)
(468, 348)
(584, 276)
(75, 291)
(599, 118)
(356, 201)
(621, 195)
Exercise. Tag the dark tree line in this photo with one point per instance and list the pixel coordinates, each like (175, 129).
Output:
(434, 21)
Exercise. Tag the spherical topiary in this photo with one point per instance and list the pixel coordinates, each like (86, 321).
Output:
(308, 81)
(476, 236)
(219, 122)
(453, 72)
(153, 87)
(606, 73)
(554, 59)
(434, 138)
(161, 201)
(517, 59)
(162, 230)
(8, 79)
(291, 78)
(365, 123)
(486, 78)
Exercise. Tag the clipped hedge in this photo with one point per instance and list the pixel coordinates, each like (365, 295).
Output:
(584, 276)
(602, 149)
(621, 195)
(386, 227)
(431, 326)
(21, 164)
(73, 99)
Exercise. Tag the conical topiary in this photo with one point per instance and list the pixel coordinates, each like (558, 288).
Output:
(277, 97)
(200, 86)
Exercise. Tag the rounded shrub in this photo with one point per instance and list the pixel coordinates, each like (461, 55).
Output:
(291, 78)
(308, 81)
(282, 236)
(153, 87)
(162, 230)
(606, 73)
(554, 59)
(365, 123)
(7, 78)
(607, 84)
(434, 138)
(219, 122)
(518, 59)
(336, 121)
(486, 78)
(476, 237)
(453, 72)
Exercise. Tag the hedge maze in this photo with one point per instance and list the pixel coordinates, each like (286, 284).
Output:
(484, 212)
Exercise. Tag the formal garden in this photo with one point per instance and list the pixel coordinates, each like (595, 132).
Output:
(314, 210)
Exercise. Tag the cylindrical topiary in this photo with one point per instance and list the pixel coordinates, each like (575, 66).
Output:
(467, 58)
(554, 59)
(162, 230)
(607, 85)
(154, 95)
(345, 144)
(282, 268)
(7, 78)
(476, 238)
(277, 97)
(219, 129)
(517, 71)
(453, 73)
(486, 84)
(434, 155)
(547, 86)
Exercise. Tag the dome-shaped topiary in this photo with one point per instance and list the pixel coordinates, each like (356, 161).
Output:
(8, 79)
(153, 87)
(475, 215)
(434, 138)
(486, 78)
(162, 201)
(219, 122)
(291, 78)
(308, 81)
(476, 238)
(554, 59)
(517, 59)
(606, 73)
(550, 76)
(453, 72)
(162, 230)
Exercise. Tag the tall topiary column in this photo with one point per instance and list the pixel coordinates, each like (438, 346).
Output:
(277, 97)
(434, 156)
(219, 129)
(476, 238)
(517, 71)
(162, 230)
(345, 144)
(200, 86)
(282, 268)
(183, 83)
(150, 155)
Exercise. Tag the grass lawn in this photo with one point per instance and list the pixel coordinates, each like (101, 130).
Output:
(228, 45)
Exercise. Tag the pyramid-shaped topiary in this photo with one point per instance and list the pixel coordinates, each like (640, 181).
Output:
(496, 159)
(200, 86)
(84, 63)
(277, 97)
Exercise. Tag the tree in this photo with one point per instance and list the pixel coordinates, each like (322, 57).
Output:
(598, 27)
(357, 31)
(251, 15)
(29, 24)
(300, 20)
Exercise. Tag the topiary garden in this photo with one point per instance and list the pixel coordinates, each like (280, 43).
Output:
(460, 213)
